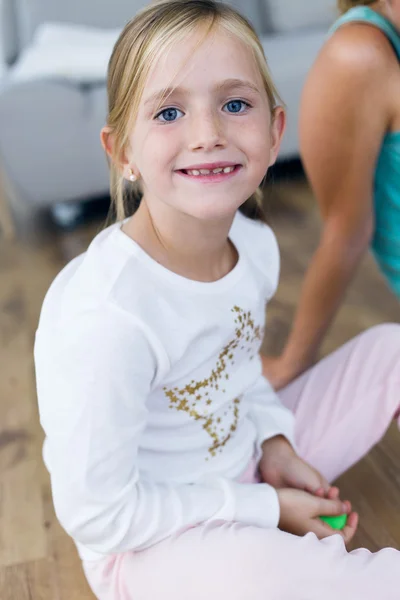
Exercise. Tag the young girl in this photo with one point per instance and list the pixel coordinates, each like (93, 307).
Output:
(172, 461)
(350, 145)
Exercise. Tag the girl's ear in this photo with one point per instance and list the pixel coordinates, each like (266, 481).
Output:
(121, 162)
(107, 141)
(278, 125)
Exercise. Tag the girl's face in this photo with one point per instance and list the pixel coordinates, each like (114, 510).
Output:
(207, 147)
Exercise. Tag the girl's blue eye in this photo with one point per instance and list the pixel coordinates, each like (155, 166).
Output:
(169, 115)
(236, 106)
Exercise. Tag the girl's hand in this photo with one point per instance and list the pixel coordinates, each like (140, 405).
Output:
(300, 512)
(278, 373)
(281, 467)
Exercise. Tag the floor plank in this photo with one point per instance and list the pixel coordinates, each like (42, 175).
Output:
(28, 581)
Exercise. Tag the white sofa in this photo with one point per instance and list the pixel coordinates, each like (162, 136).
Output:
(51, 111)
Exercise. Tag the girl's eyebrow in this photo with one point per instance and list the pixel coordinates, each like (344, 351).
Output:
(237, 84)
(225, 85)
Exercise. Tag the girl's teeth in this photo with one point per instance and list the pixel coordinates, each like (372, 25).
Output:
(197, 172)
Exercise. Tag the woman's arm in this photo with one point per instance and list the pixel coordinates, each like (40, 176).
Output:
(344, 115)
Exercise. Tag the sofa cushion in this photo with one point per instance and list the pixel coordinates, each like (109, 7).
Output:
(8, 31)
(292, 15)
(253, 10)
(289, 71)
(109, 14)
(60, 50)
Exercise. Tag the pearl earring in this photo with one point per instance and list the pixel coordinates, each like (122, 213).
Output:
(132, 176)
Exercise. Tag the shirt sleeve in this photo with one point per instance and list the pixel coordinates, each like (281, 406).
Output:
(92, 381)
(270, 416)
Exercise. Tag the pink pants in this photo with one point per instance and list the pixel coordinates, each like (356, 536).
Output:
(343, 406)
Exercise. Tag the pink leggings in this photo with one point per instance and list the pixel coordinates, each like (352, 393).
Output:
(343, 406)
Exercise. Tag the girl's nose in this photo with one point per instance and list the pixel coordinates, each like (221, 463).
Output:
(206, 134)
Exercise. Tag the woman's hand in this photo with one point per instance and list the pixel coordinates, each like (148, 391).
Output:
(281, 467)
(277, 371)
(300, 512)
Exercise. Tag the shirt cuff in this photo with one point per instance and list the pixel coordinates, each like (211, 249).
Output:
(256, 504)
(249, 503)
(284, 427)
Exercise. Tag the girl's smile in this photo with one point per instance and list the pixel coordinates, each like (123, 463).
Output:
(211, 172)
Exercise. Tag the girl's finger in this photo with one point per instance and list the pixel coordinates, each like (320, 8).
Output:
(330, 507)
(333, 493)
(326, 485)
(347, 506)
(350, 528)
(322, 491)
(322, 529)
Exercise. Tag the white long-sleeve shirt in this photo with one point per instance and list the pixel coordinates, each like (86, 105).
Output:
(151, 394)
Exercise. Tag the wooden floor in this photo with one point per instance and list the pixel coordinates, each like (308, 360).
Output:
(37, 560)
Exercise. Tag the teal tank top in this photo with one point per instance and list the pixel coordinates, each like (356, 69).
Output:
(385, 244)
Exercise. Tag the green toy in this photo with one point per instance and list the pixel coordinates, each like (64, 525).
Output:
(336, 522)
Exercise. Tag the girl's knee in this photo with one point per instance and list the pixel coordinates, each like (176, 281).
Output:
(386, 334)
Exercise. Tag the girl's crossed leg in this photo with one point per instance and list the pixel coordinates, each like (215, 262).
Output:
(343, 406)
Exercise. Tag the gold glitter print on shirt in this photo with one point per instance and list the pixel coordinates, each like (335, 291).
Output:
(199, 394)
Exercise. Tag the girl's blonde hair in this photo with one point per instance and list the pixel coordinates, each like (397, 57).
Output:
(144, 39)
(345, 5)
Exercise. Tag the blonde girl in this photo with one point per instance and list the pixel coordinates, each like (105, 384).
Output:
(175, 467)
